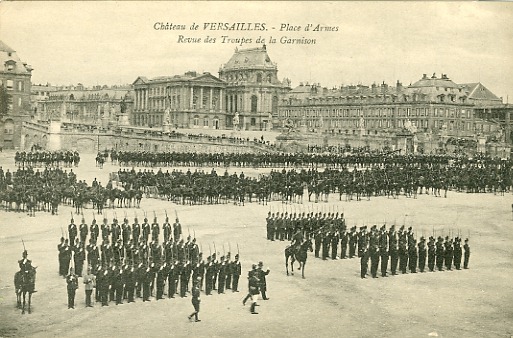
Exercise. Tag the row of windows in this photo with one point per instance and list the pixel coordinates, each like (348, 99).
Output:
(150, 120)
(205, 121)
(379, 99)
(378, 112)
(9, 84)
(370, 124)
(161, 91)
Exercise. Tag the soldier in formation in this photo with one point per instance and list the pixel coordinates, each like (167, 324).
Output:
(126, 263)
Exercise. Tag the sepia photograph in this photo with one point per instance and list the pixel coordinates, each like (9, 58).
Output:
(256, 169)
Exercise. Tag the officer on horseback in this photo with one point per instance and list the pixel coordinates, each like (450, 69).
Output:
(26, 265)
(297, 240)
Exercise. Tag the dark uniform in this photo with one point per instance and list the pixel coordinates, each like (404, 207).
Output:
(130, 283)
(72, 286)
(466, 247)
(457, 253)
(103, 286)
(236, 272)
(196, 300)
(374, 256)
(413, 256)
(422, 254)
(364, 264)
(431, 254)
(394, 257)
(171, 281)
(261, 274)
(344, 238)
(161, 281)
(440, 254)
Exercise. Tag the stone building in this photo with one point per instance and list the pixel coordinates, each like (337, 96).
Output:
(99, 105)
(15, 80)
(191, 100)
(38, 94)
(253, 90)
(247, 92)
(431, 110)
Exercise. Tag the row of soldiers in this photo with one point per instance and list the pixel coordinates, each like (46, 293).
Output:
(399, 246)
(273, 159)
(409, 255)
(128, 282)
(282, 226)
(172, 262)
(67, 158)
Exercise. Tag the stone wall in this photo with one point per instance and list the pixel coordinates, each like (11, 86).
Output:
(53, 136)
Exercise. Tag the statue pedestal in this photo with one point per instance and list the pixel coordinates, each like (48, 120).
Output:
(481, 144)
(123, 120)
(166, 127)
(105, 122)
(292, 142)
(54, 137)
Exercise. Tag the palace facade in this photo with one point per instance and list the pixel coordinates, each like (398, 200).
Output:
(431, 107)
(245, 95)
(252, 89)
(182, 101)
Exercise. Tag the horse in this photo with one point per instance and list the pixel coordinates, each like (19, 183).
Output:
(24, 282)
(298, 254)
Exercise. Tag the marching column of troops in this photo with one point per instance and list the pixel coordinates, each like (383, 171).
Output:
(379, 246)
(124, 264)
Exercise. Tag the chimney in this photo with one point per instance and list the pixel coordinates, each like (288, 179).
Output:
(424, 76)
(434, 76)
(399, 86)
(373, 88)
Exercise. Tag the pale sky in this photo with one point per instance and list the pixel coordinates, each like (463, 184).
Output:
(115, 42)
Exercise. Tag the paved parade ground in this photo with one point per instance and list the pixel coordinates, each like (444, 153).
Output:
(333, 301)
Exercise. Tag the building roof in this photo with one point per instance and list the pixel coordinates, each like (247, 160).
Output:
(5, 48)
(477, 91)
(92, 94)
(8, 55)
(251, 58)
(433, 81)
(188, 76)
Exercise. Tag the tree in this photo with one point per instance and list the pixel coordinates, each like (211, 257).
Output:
(5, 98)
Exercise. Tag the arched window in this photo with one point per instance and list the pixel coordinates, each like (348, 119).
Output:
(254, 103)
(196, 121)
(259, 77)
